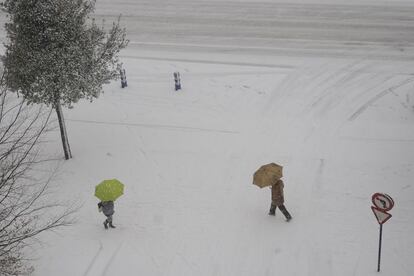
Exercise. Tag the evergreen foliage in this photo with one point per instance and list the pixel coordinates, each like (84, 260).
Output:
(56, 53)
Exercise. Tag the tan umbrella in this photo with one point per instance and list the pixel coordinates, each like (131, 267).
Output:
(267, 175)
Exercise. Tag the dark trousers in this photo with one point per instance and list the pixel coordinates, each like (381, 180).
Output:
(282, 208)
(108, 219)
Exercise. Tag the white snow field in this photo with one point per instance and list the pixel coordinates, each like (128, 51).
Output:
(325, 88)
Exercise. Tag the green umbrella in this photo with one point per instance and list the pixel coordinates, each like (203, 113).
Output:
(109, 190)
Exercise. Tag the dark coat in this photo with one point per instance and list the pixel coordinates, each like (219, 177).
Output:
(277, 193)
(107, 207)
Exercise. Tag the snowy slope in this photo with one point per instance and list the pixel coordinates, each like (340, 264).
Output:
(338, 116)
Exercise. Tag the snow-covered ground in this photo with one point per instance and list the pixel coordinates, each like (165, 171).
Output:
(325, 88)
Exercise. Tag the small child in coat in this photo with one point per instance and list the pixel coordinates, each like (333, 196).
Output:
(107, 207)
(278, 200)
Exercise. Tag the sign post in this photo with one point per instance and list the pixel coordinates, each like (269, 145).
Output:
(382, 204)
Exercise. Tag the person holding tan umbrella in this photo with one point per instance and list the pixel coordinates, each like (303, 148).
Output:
(269, 175)
(278, 200)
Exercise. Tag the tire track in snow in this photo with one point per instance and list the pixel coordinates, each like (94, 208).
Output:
(113, 256)
(250, 64)
(282, 92)
(336, 78)
(166, 127)
(378, 140)
(166, 103)
(100, 258)
(365, 106)
(309, 86)
(317, 188)
(88, 269)
(351, 84)
(152, 160)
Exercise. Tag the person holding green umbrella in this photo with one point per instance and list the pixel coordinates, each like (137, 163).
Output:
(107, 207)
(108, 191)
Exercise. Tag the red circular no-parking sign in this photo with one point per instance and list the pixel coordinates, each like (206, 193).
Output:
(383, 202)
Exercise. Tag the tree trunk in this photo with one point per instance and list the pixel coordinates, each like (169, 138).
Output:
(63, 134)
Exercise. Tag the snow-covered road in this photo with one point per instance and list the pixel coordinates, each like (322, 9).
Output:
(371, 29)
(325, 89)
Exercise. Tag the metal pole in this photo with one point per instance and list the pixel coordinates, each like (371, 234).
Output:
(379, 249)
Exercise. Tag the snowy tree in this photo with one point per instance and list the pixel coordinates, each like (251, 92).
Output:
(24, 210)
(56, 54)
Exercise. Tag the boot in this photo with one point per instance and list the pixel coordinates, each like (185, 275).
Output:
(285, 212)
(111, 225)
(272, 210)
(288, 216)
(105, 224)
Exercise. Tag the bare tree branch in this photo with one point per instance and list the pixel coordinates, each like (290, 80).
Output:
(25, 211)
